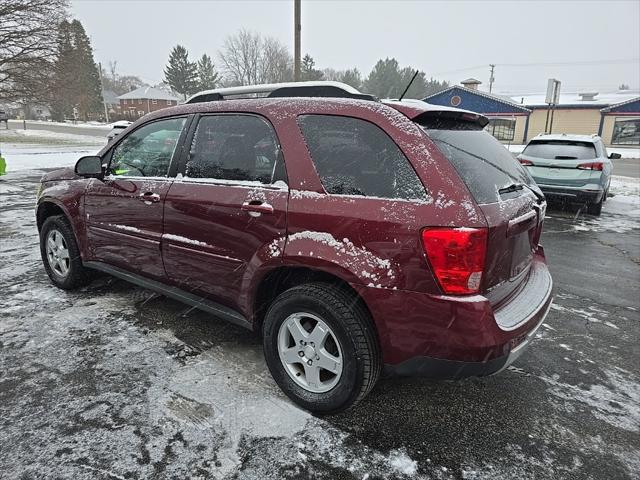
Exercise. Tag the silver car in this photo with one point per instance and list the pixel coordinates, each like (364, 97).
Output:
(573, 168)
(117, 128)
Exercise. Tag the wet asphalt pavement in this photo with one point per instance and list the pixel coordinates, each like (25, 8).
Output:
(111, 382)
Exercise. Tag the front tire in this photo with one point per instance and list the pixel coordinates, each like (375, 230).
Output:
(60, 254)
(321, 348)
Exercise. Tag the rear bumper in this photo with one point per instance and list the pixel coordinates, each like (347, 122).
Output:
(452, 337)
(591, 193)
(451, 369)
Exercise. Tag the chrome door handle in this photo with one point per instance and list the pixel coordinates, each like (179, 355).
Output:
(256, 208)
(149, 197)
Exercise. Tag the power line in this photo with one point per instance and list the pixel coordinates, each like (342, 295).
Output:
(544, 64)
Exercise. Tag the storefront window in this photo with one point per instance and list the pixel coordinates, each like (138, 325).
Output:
(626, 131)
(502, 128)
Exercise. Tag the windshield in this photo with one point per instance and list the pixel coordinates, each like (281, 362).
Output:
(561, 150)
(482, 162)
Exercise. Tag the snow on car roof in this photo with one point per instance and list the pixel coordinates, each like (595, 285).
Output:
(270, 87)
(566, 136)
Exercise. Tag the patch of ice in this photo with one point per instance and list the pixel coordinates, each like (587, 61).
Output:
(402, 463)
(616, 403)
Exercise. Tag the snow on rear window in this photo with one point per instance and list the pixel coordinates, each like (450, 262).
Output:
(355, 157)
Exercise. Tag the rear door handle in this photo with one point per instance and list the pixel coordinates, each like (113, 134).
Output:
(256, 208)
(149, 197)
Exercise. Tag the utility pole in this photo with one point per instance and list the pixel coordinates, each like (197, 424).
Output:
(297, 27)
(491, 78)
(104, 103)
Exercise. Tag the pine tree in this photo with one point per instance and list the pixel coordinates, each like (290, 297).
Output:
(308, 71)
(351, 77)
(76, 82)
(207, 76)
(61, 102)
(89, 93)
(181, 74)
(388, 80)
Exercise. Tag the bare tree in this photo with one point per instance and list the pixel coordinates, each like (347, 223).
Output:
(249, 58)
(277, 64)
(28, 42)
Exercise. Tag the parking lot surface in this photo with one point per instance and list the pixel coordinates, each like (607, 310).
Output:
(113, 382)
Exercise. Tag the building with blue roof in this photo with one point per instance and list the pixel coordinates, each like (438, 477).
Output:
(516, 119)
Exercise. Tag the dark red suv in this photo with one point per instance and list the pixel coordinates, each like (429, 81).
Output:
(357, 236)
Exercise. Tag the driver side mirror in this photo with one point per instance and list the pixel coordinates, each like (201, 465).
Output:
(613, 156)
(89, 167)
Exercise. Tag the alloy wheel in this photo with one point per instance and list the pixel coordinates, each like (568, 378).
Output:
(58, 253)
(310, 352)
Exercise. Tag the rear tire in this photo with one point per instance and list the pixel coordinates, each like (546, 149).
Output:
(60, 254)
(351, 343)
(595, 208)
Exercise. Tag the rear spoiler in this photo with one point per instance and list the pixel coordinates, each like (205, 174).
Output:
(451, 120)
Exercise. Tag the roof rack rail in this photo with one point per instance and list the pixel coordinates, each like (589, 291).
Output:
(280, 90)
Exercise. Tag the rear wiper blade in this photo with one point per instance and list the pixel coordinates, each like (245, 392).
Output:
(514, 187)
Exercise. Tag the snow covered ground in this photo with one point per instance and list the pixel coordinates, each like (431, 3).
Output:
(34, 157)
(78, 124)
(36, 149)
(48, 138)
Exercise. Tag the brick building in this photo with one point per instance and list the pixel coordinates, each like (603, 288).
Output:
(143, 100)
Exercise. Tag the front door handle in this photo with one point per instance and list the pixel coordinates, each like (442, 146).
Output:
(256, 208)
(149, 197)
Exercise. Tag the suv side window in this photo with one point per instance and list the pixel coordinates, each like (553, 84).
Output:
(147, 151)
(235, 147)
(356, 157)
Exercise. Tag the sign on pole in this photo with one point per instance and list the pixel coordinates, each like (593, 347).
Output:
(552, 98)
(553, 91)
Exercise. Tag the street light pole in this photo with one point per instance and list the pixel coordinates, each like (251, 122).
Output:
(297, 27)
(491, 78)
(104, 102)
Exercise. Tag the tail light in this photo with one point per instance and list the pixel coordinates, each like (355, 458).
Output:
(525, 162)
(591, 166)
(457, 257)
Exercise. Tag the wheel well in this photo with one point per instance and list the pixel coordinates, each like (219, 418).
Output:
(281, 279)
(45, 211)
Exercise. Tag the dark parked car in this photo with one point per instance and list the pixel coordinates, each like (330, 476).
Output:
(357, 236)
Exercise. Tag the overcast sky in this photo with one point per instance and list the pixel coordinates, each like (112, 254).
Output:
(449, 40)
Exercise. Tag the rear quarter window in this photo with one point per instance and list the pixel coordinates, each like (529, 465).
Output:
(482, 162)
(355, 157)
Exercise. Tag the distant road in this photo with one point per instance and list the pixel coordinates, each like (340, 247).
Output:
(52, 127)
(627, 167)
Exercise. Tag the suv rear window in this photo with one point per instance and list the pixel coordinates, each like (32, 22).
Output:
(355, 157)
(560, 150)
(482, 162)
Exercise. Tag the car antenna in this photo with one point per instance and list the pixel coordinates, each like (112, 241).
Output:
(407, 89)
